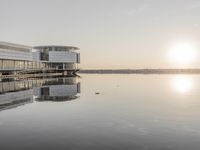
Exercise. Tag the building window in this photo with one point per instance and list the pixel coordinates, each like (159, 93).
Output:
(8, 64)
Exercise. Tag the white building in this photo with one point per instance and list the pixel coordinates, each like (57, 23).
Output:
(59, 57)
(15, 57)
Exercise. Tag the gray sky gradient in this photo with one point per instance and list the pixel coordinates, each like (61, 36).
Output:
(110, 33)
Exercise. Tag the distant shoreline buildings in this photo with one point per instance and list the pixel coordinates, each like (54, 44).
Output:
(140, 71)
(16, 58)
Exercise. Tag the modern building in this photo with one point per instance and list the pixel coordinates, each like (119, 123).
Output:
(15, 58)
(59, 57)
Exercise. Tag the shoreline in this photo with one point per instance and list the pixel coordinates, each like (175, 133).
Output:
(140, 71)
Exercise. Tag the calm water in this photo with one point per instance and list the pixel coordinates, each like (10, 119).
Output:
(141, 112)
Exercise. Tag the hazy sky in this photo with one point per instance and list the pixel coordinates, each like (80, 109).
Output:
(110, 33)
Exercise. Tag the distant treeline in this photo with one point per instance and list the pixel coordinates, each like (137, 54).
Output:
(142, 71)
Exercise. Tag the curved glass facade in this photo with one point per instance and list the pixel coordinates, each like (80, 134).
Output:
(18, 57)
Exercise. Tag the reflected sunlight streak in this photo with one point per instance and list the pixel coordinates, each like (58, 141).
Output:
(182, 84)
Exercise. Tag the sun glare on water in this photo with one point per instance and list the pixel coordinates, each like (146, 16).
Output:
(182, 54)
(182, 84)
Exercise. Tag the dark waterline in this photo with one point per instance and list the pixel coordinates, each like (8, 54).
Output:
(141, 71)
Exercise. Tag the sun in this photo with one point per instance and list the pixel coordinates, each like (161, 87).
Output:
(182, 54)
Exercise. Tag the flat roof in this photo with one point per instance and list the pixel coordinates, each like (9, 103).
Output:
(57, 46)
(16, 47)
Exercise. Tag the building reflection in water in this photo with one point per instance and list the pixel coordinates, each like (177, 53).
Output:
(14, 93)
(62, 89)
(182, 84)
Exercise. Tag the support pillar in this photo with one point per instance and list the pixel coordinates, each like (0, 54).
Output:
(65, 73)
